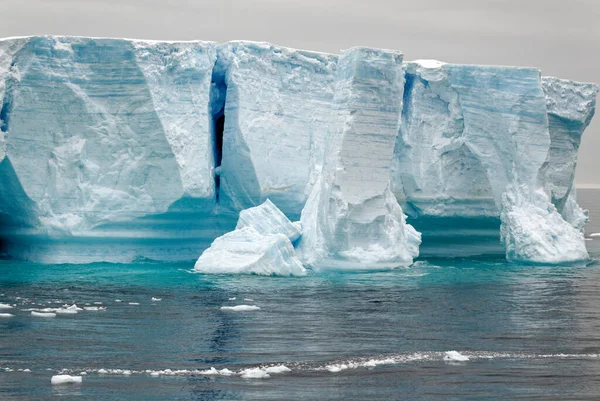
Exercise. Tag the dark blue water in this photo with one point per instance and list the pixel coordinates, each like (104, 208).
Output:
(530, 332)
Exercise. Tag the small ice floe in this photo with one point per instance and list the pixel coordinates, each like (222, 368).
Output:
(4, 315)
(64, 379)
(82, 373)
(154, 299)
(226, 372)
(94, 308)
(231, 299)
(134, 303)
(248, 300)
(240, 308)
(26, 370)
(102, 371)
(209, 372)
(277, 369)
(5, 306)
(371, 363)
(454, 356)
(43, 314)
(254, 373)
(97, 303)
(336, 368)
(594, 235)
(118, 300)
(68, 310)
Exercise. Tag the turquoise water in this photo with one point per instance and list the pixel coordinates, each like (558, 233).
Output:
(530, 332)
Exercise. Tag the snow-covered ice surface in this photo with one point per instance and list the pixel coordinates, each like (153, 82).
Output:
(156, 146)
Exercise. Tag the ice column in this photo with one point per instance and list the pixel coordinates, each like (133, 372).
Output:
(352, 219)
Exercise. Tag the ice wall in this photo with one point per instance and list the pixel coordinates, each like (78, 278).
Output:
(351, 219)
(114, 149)
(99, 134)
(277, 109)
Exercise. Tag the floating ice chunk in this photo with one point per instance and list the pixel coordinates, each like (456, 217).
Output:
(2, 315)
(97, 303)
(594, 235)
(5, 306)
(154, 299)
(102, 371)
(246, 251)
(226, 372)
(209, 372)
(231, 299)
(43, 314)
(27, 370)
(94, 308)
(455, 356)
(371, 363)
(336, 368)
(248, 299)
(268, 219)
(277, 369)
(534, 232)
(118, 300)
(82, 373)
(240, 308)
(64, 379)
(254, 373)
(68, 310)
(134, 303)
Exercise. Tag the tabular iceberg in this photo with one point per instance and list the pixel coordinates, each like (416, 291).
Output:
(114, 149)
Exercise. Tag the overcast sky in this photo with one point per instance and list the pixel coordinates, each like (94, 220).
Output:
(560, 37)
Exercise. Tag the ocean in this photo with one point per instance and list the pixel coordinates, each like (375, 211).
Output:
(159, 332)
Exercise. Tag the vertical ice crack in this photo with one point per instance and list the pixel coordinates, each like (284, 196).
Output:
(218, 95)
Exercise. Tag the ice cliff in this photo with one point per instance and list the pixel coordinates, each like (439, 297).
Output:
(114, 149)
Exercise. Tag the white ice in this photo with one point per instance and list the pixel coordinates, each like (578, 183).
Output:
(455, 356)
(240, 308)
(64, 379)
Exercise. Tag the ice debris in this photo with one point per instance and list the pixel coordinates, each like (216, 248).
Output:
(455, 356)
(246, 250)
(65, 379)
(240, 308)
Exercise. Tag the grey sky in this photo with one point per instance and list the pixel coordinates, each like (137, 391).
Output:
(560, 37)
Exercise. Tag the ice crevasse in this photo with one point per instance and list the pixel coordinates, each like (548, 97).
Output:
(115, 149)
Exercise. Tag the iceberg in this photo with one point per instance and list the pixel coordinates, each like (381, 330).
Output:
(260, 244)
(247, 251)
(117, 150)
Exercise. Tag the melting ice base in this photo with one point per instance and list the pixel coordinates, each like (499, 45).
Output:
(155, 147)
